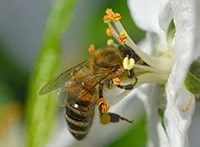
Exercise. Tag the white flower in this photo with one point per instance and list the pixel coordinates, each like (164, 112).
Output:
(168, 68)
(178, 97)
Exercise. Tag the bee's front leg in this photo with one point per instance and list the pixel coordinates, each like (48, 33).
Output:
(116, 82)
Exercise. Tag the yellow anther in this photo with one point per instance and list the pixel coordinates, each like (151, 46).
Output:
(116, 81)
(128, 63)
(107, 19)
(123, 36)
(110, 13)
(91, 49)
(109, 31)
(110, 42)
(116, 17)
(111, 16)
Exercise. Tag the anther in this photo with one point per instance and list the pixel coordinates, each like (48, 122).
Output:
(110, 42)
(122, 37)
(110, 13)
(91, 49)
(109, 31)
(107, 19)
(116, 17)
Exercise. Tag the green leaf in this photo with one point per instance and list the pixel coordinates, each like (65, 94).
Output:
(192, 80)
(41, 110)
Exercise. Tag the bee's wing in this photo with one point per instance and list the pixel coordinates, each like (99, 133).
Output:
(61, 97)
(87, 80)
(61, 80)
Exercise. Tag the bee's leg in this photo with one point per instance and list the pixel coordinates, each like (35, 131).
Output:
(101, 101)
(106, 118)
(116, 82)
(131, 74)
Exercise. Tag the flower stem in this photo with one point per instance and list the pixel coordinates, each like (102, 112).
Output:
(41, 111)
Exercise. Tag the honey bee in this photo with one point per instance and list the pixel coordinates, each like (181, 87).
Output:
(83, 85)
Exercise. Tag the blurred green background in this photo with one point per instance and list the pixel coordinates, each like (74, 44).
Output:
(39, 39)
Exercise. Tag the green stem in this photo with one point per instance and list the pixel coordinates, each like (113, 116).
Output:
(41, 110)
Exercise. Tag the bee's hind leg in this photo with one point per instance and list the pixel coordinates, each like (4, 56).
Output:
(105, 116)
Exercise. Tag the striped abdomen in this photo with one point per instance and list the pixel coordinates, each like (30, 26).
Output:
(79, 116)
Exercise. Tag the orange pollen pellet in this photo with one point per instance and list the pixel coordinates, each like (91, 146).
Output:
(107, 19)
(116, 81)
(91, 49)
(109, 31)
(116, 17)
(109, 12)
(122, 37)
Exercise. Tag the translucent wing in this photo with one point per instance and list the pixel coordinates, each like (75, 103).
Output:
(64, 94)
(61, 97)
(61, 80)
(86, 87)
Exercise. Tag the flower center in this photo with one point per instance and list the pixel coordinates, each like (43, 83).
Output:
(156, 69)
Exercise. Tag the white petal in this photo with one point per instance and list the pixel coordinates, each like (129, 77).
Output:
(178, 121)
(145, 14)
(197, 29)
(156, 134)
(194, 132)
(183, 14)
(165, 14)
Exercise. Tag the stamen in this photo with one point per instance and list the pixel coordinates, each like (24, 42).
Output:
(115, 34)
(128, 63)
(116, 81)
(110, 42)
(91, 49)
(163, 63)
(109, 31)
(116, 17)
